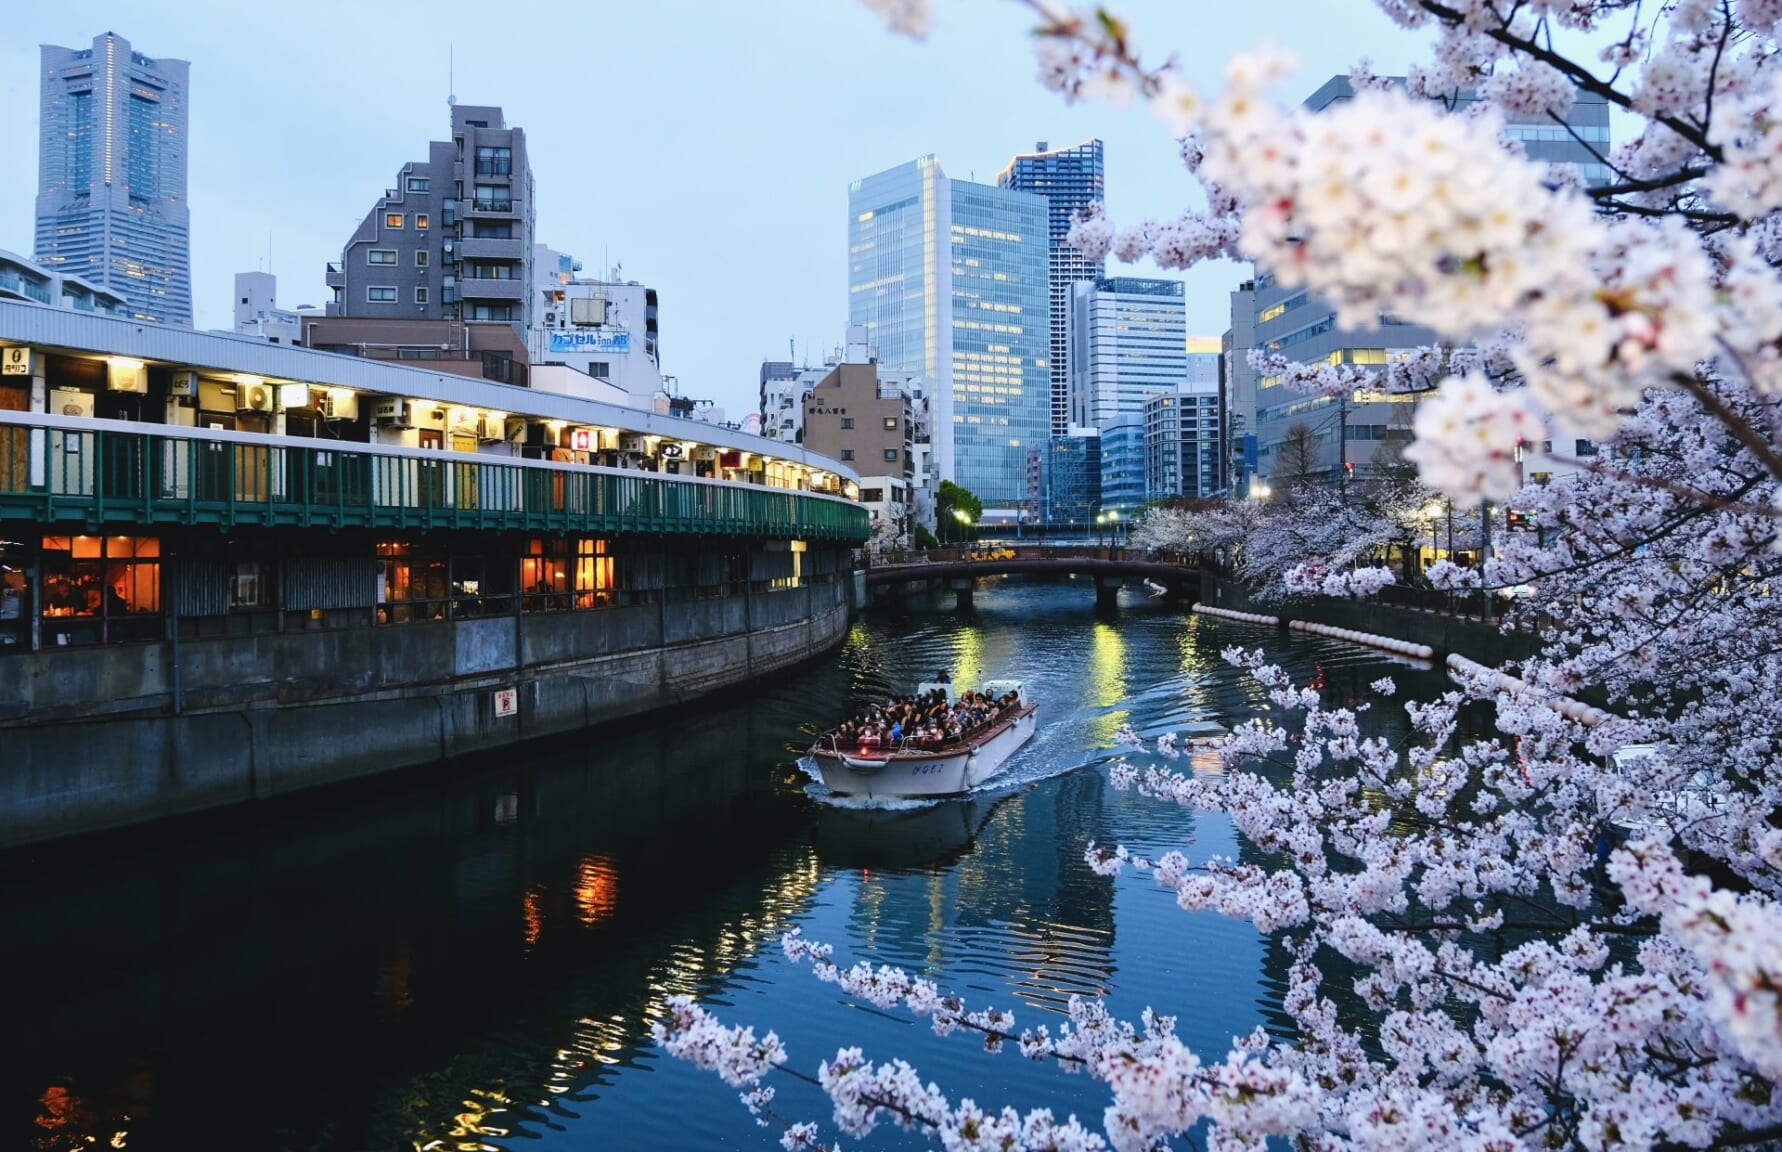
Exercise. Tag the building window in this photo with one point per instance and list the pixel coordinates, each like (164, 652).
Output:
(560, 573)
(393, 219)
(101, 589)
(420, 295)
(891, 454)
(847, 454)
(600, 369)
(420, 219)
(417, 184)
(381, 295)
(847, 422)
(890, 423)
(246, 589)
(381, 256)
(421, 259)
(411, 582)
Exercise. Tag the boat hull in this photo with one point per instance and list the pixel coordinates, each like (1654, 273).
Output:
(918, 774)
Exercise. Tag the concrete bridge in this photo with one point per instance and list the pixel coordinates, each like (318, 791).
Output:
(1109, 568)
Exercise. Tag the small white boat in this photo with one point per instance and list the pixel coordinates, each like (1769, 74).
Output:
(1661, 799)
(943, 770)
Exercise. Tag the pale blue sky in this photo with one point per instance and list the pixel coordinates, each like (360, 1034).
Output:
(706, 144)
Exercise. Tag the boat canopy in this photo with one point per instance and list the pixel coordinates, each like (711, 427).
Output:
(928, 686)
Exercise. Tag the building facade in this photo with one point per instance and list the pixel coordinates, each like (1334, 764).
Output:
(22, 279)
(1128, 341)
(453, 239)
(950, 281)
(1237, 389)
(257, 312)
(867, 422)
(603, 329)
(1002, 382)
(1073, 480)
(1300, 436)
(1071, 181)
(1184, 444)
(111, 184)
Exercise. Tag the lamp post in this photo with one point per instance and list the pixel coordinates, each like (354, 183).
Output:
(1113, 527)
(964, 519)
(1430, 512)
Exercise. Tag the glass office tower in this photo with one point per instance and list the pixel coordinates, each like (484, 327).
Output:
(111, 175)
(950, 280)
(1071, 180)
(900, 282)
(1002, 381)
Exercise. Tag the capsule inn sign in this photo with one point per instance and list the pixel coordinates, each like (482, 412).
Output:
(601, 343)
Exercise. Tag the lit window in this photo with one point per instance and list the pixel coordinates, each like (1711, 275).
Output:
(420, 219)
(393, 219)
(890, 423)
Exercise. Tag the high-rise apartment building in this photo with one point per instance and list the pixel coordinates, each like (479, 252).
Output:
(1184, 446)
(1071, 181)
(1353, 436)
(453, 239)
(950, 280)
(111, 183)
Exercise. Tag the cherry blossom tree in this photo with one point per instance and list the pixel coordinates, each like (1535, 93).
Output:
(1556, 947)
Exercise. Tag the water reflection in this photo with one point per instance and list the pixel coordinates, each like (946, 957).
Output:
(474, 959)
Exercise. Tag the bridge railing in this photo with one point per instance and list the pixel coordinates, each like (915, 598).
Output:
(989, 554)
(60, 468)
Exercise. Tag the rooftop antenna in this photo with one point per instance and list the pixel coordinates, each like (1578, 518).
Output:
(451, 75)
(791, 349)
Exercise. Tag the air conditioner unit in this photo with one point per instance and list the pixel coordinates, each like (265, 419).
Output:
(127, 376)
(550, 317)
(630, 442)
(183, 384)
(493, 428)
(392, 411)
(253, 397)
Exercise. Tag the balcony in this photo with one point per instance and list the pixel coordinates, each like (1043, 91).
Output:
(336, 277)
(80, 474)
(481, 288)
(478, 208)
(490, 248)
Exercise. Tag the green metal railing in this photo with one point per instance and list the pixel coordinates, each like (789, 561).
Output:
(63, 469)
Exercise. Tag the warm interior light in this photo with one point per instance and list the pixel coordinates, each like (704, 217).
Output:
(293, 395)
(125, 363)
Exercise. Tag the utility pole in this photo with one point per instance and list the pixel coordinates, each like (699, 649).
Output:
(1343, 446)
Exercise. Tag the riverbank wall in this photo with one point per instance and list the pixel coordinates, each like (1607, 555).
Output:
(101, 738)
(1471, 637)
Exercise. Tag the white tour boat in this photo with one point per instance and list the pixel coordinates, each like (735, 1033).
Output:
(945, 769)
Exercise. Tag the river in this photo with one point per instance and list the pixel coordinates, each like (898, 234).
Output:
(471, 957)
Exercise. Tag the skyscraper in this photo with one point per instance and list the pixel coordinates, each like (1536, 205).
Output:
(950, 279)
(1071, 180)
(1127, 344)
(111, 183)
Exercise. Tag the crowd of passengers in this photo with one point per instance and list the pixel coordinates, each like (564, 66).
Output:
(924, 722)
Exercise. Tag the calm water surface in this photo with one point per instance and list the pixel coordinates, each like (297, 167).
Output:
(473, 960)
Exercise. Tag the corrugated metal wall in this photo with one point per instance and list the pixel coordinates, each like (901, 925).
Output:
(329, 582)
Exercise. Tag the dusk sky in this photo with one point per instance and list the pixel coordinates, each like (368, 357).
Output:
(705, 145)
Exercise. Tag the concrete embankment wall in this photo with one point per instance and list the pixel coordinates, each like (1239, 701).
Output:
(1464, 634)
(91, 739)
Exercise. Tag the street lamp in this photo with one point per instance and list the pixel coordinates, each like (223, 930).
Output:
(1259, 490)
(964, 519)
(1113, 526)
(1430, 513)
